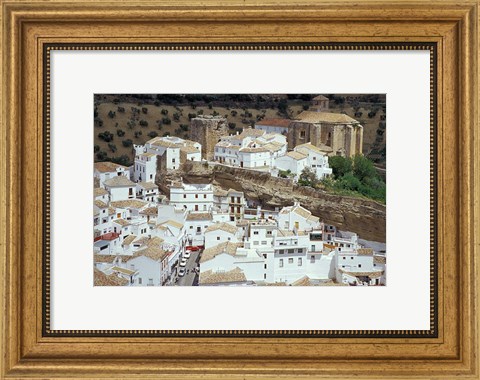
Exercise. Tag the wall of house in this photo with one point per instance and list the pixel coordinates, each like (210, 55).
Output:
(147, 269)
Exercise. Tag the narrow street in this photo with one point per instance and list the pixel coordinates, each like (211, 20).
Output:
(191, 278)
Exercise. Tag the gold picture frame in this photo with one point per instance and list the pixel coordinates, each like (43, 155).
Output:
(33, 28)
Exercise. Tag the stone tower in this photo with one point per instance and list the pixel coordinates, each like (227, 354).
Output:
(207, 130)
(320, 103)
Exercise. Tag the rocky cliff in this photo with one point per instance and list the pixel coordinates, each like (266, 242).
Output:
(365, 217)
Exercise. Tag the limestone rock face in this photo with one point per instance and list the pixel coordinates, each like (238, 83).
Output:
(365, 217)
(207, 130)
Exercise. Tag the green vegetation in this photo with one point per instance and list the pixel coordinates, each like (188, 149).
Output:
(355, 176)
(308, 178)
(126, 143)
(285, 173)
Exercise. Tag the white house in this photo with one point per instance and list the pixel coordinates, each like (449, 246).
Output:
(274, 125)
(108, 244)
(147, 191)
(173, 151)
(128, 209)
(100, 194)
(150, 265)
(252, 148)
(316, 159)
(192, 197)
(231, 201)
(220, 233)
(145, 166)
(356, 267)
(101, 217)
(196, 224)
(107, 170)
(228, 256)
(292, 162)
(297, 218)
(120, 188)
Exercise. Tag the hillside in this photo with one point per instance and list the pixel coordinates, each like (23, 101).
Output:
(124, 120)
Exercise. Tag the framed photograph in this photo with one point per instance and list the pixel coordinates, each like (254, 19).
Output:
(239, 190)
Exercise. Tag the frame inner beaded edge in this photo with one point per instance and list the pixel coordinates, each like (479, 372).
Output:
(46, 252)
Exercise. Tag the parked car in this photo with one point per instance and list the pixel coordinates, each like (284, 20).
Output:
(183, 262)
(181, 272)
(187, 254)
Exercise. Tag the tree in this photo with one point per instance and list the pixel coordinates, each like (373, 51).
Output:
(152, 134)
(120, 133)
(126, 143)
(106, 136)
(102, 156)
(340, 165)
(308, 178)
(111, 114)
(96, 148)
(112, 147)
(363, 168)
(122, 160)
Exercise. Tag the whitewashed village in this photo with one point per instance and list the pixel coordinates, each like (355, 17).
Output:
(149, 232)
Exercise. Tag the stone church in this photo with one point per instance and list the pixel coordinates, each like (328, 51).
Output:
(334, 133)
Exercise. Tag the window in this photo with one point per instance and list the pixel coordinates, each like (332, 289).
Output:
(255, 232)
(302, 134)
(264, 266)
(184, 196)
(264, 242)
(359, 265)
(204, 196)
(299, 250)
(281, 263)
(196, 196)
(199, 229)
(351, 258)
(139, 281)
(191, 227)
(312, 259)
(218, 237)
(173, 160)
(150, 281)
(344, 257)
(314, 158)
(299, 261)
(196, 207)
(312, 248)
(119, 215)
(130, 191)
(265, 276)
(281, 251)
(269, 233)
(291, 251)
(255, 243)
(290, 260)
